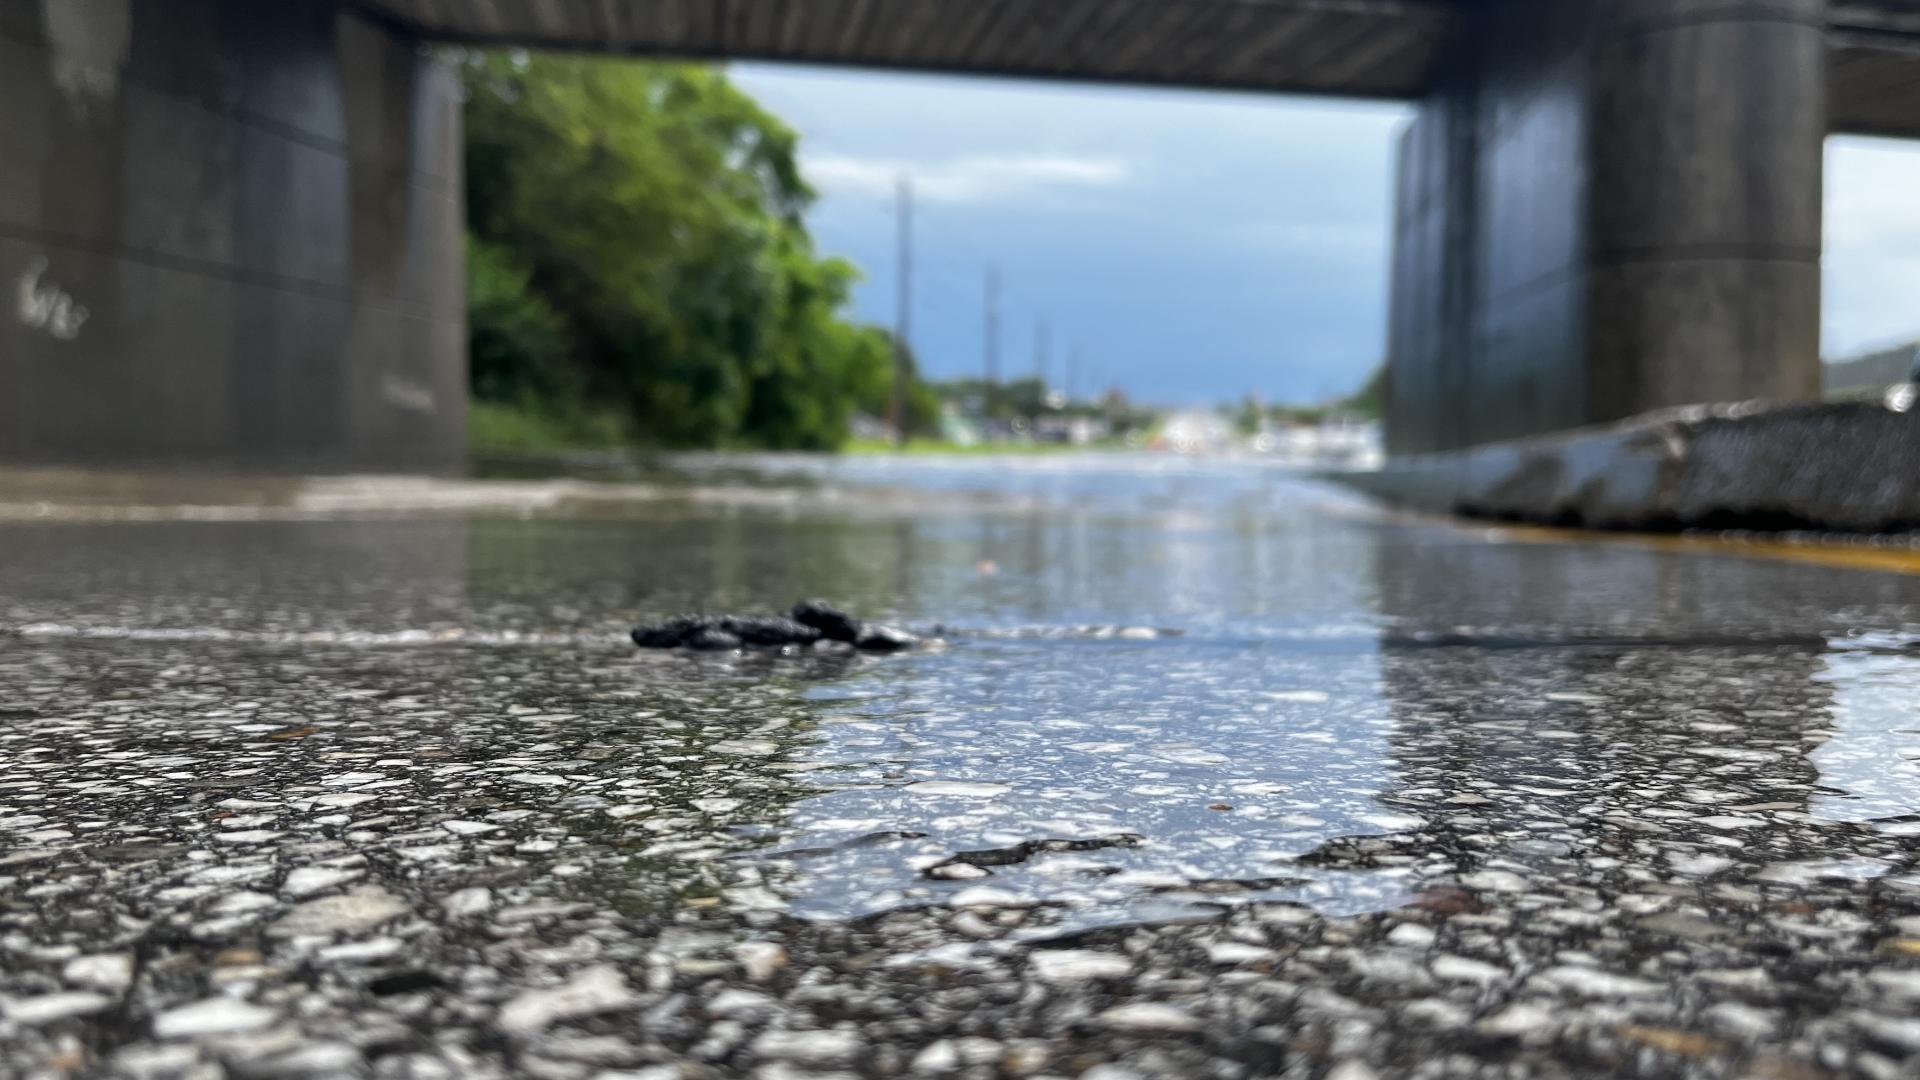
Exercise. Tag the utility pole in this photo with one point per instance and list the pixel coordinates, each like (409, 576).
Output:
(991, 346)
(1073, 371)
(903, 315)
(1040, 353)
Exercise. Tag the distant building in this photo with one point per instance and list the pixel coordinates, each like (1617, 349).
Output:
(1074, 430)
(1195, 431)
(1872, 371)
(1338, 441)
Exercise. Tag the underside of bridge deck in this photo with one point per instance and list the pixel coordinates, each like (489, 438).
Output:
(1368, 48)
(1356, 48)
(1873, 68)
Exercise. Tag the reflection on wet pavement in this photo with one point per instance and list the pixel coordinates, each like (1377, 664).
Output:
(391, 796)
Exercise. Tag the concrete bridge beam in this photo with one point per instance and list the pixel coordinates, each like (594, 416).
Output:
(1606, 207)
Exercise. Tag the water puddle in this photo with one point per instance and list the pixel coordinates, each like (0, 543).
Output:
(1166, 691)
(1093, 779)
(1869, 753)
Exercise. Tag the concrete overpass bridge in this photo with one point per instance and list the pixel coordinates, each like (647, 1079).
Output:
(232, 232)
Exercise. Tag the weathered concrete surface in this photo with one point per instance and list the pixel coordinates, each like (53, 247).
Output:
(230, 233)
(1606, 208)
(1842, 466)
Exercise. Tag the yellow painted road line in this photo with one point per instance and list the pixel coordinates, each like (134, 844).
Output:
(1837, 553)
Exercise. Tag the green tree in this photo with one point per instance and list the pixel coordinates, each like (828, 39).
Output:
(518, 343)
(1247, 415)
(1370, 401)
(638, 242)
(923, 404)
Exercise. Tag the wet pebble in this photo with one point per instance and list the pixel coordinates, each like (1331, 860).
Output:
(1149, 1017)
(591, 991)
(48, 1008)
(1078, 965)
(108, 972)
(808, 1047)
(212, 1016)
(360, 909)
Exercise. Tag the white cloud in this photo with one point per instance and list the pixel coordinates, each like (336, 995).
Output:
(973, 178)
(1872, 257)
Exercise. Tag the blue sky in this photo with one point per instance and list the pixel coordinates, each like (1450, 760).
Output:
(1193, 246)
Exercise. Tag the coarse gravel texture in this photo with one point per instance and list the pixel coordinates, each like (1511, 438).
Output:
(394, 799)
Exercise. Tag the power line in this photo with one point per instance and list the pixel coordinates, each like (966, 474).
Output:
(1040, 353)
(903, 316)
(992, 342)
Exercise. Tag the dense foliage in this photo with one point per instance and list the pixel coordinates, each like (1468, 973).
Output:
(637, 246)
(1370, 401)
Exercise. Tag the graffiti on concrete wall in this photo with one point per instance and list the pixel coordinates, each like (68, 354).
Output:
(90, 44)
(44, 305)
(406, 394)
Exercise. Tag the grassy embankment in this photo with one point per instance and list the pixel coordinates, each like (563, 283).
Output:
(496, 428)
(941, 446)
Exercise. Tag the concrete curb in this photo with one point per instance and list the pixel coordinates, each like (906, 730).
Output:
(1845, 466)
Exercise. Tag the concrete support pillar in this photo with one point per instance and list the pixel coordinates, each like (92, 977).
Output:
(231, 233)
(1709, 122)
(1606, 207)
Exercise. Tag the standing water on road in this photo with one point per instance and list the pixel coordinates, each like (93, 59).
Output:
(1216, 772)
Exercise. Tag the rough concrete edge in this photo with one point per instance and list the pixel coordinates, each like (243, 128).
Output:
(1844, 466)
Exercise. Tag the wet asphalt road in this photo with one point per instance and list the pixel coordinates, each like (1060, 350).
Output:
(389, 795)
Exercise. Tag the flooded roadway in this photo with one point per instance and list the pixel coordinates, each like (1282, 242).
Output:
(1219, 773)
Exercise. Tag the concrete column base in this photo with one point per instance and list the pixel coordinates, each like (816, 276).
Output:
(1833, 466)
